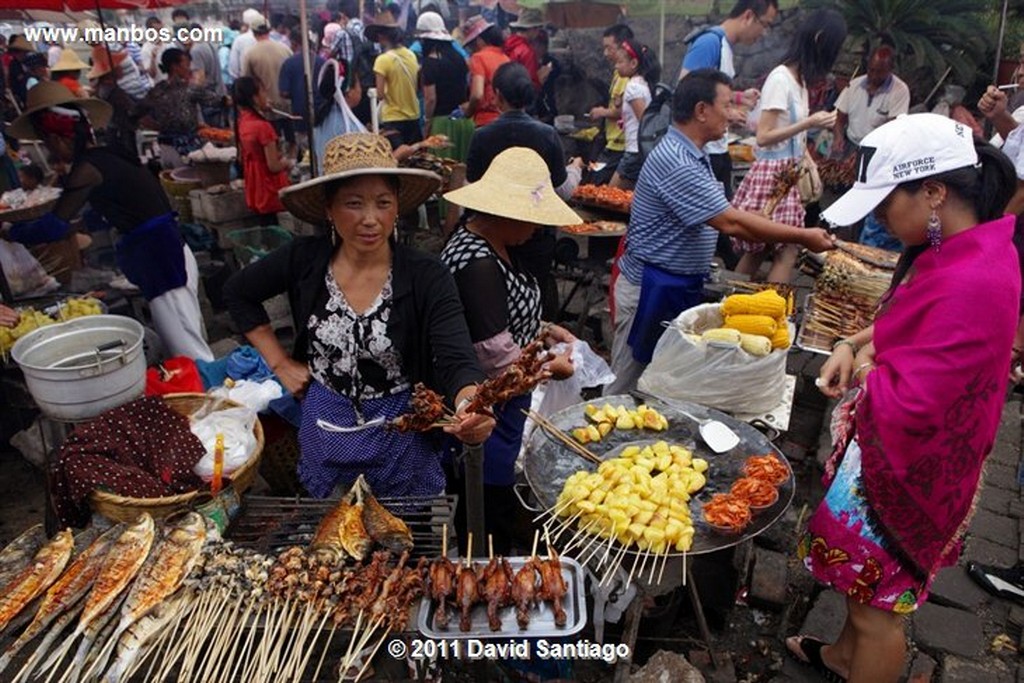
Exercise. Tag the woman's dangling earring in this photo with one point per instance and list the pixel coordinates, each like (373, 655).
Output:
(334, 233)
(934, 231)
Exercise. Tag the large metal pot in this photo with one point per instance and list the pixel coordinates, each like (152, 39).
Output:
(81, 368)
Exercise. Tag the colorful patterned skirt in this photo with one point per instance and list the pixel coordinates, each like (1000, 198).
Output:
(753, 193)
(845, 547)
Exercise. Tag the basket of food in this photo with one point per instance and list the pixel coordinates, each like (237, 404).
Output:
(18, 205)
(125, 508)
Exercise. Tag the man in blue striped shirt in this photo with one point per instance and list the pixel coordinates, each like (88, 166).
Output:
(678, 210)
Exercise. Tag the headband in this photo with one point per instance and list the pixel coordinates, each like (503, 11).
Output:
(630, 51)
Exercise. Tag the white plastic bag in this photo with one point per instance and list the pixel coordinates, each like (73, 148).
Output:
(239, 441)
(25, 275)
(254, 395)
(727, 378)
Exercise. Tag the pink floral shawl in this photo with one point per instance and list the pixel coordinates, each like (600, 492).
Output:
(929, 415)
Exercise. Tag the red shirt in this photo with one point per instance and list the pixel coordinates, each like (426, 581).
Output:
(72, 84)
(261, 186)
(519, 50)
(485, 63)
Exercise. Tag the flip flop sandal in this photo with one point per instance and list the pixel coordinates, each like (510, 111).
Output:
(989, 578)
(811, 650)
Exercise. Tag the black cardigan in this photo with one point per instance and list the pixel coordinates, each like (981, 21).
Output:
(427, 325)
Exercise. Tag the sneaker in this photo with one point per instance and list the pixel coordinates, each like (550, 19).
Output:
(1007, 583)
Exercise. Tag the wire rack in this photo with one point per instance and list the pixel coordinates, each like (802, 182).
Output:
(269, 525)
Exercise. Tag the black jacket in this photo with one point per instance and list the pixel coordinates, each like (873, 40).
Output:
(427, 324)
(515, 129)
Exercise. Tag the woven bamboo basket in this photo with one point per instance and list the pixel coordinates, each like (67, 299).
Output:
(126, 509)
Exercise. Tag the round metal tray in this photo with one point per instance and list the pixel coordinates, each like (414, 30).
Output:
(547, 463)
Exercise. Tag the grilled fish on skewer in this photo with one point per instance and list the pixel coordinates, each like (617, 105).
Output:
(162, 574)
(383, 527)
(19, 553)
(119, 568)
(524, 592)
(442, 587)
(30, 582)
(135, 637)
(69, 589)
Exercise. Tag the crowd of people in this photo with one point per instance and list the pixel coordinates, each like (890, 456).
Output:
(372, 317)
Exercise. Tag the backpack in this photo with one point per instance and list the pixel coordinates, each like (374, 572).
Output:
(656, 119)
(364, 53)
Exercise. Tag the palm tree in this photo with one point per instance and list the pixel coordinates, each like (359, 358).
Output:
(930, 36)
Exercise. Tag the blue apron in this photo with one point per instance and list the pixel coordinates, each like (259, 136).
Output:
(151, 256)
(394, 463)
(663, 296)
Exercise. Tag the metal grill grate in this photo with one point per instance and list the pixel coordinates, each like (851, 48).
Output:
(269, 525)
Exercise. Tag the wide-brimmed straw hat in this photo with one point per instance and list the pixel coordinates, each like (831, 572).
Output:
(46, 94)
(101, 66)
(352, 155)
(69, 61)
(516, 185)
(529, 18)
(430, 26)
(20, 43)
(382, 22)
(473, 27)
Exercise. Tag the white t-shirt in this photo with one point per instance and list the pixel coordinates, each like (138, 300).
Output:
(782, 93)
(151, 54)
(725, 65)
(636, 89)
(867, 113)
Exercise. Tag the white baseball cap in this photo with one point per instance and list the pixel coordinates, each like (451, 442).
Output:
(911, 147)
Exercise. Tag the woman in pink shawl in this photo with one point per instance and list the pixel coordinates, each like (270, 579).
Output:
(927, 382)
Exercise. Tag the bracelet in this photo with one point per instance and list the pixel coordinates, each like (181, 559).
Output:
(862, 367)
(846, 342)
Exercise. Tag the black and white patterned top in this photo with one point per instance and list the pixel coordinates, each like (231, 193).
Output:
(489, 309)
(351, 352)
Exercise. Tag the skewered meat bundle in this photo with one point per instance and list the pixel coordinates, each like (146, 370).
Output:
(467, 594)
(427, 409)
(524, 592)
(520, 377)
(497, 579)
(442, 586)
(552, 585)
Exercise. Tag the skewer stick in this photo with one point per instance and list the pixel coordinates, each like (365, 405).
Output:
(571, 542)
(239, 637)
(444, 540)
(636, 559)
(351, 643)
(244, 657)
(654, 567)
(223, 630)
(312, 646)
(555, 509)
(685, 571)
(369, 659)
(607, 552)
(613, 568)
(284, 644)
(647, 555)
(323, 655)
(536, 537)
(490, 549)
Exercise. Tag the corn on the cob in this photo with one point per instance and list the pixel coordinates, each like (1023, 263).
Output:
(780, 340)
(767, 303)
(755, 344)
(752, 324)
(721, 335)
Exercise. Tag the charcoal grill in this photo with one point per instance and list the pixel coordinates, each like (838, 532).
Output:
(269, 524)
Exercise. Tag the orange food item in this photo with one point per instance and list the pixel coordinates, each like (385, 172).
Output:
(580, 228)
(767, 468)
(605, 196)
(757, 492)
(727, 510)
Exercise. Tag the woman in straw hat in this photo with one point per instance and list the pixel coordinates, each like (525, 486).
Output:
(121, 133)
(150, 251)
(502, 299)
(372, 319)
(68, 70)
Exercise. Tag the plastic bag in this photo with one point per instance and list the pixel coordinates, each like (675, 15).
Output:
(239, 441)
(722, 377)
(589, 370)
(24, 273)
(253, 395)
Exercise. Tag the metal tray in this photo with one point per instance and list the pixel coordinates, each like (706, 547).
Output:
(542, 619)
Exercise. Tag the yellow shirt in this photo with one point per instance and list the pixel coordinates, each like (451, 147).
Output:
(613, 133)
(401, 73)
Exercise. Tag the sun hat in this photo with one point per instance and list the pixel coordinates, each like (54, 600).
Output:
(529, 18)
(473, 27)
(516, 185)
(252, 16)
(20, 43)
(101, 66)
(430, 26)
(69, 61)
(382, 22)
(358, 154)
(331, 32)
(46, 94)
(910, 147)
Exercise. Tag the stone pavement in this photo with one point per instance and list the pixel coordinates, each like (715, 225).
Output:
(962, 634)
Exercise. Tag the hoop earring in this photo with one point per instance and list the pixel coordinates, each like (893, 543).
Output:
(934, 231)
